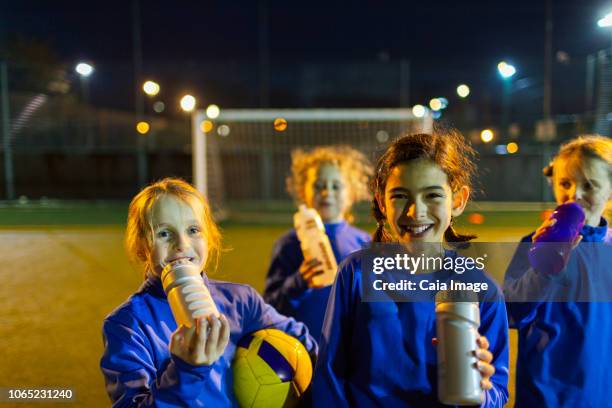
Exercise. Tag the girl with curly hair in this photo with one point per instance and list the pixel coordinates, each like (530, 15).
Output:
(329, 179)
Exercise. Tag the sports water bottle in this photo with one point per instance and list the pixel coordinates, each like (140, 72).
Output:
(189, 298)
(551, 250)
(457, 322)
(315, 243)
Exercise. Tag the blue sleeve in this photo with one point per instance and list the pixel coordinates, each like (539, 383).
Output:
(522, 282)
(284, 283)
(262, 316)
(329, 384)
(132, 379)
(494, 326)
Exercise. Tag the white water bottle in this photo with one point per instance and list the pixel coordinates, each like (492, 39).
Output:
(315, 243)
(188, 297)
(457, 322)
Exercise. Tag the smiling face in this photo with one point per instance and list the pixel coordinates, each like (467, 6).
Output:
(326, 191)
(418, 202)
(178, 234)
(586, 181)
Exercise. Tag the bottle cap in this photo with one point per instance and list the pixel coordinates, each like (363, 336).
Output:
(456, 296)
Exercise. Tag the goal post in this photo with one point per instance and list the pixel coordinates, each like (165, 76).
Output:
(245, 154)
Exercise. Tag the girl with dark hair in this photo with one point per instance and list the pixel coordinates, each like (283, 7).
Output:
(382, 353)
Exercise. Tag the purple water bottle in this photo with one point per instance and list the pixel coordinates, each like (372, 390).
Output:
(550, 251)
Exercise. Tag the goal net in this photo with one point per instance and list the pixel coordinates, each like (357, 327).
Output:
(244, 156)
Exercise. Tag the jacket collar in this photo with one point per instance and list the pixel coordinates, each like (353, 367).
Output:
(595, 234)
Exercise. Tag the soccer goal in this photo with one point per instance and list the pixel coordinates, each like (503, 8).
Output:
(245, 155)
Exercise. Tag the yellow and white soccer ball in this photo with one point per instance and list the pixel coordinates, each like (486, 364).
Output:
(271, 369)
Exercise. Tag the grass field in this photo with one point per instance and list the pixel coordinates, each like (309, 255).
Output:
(64, 269)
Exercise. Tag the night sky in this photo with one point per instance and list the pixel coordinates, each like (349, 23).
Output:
(183, 42)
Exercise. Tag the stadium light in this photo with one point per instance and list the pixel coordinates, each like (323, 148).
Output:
(418, 111)
(188, 103)
(463, 91)
(506, 70)
(213, 111)
(606, 21)
(486, 135)
(435, 104)
(84, 69)
(151, 88)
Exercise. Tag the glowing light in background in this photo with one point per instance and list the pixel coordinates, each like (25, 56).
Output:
(418, 111)
(223, 130)
(382, 136)
(143, 128)
(280, 124)
(486, 135)
(506, 70)
(159, 106)
(206, 126)
(84, 69)
(435, 104)
(512, 147)
(150, 88)
(188, 103)
(606, 21)
(476, 218)
(463, 90)
(213, 111)
(501, 149)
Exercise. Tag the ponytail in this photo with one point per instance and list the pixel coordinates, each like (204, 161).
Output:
(381, 234)
(450, 235)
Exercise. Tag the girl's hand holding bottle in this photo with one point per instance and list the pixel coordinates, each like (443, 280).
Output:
(203, 343)
(484, 365)
(547, 224)
(309, 269)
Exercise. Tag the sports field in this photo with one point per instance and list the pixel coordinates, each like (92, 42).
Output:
(63, 269)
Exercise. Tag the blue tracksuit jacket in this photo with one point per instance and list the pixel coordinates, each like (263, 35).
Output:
(285, 288)
(139, 369)
(564, 352)
(380, 354)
